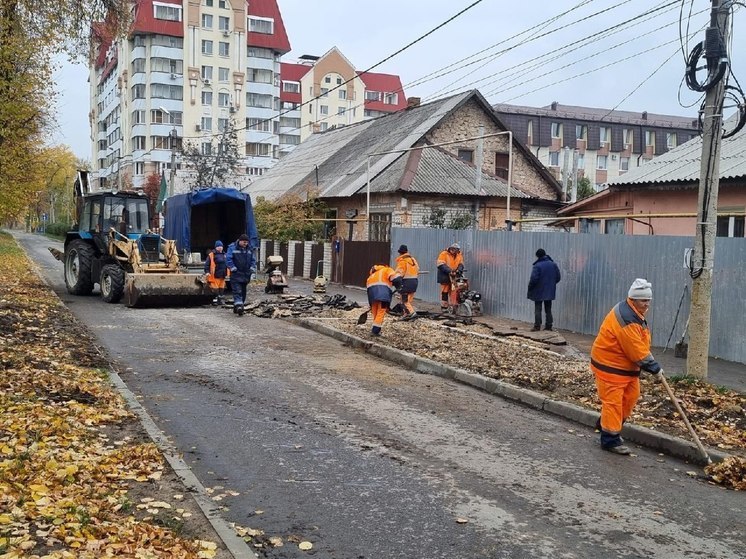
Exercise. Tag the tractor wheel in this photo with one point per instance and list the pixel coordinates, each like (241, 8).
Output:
(78, 259)
(112, 283)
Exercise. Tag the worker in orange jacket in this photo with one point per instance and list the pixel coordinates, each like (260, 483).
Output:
(621, 349)
(449, 263)
(408, 269)
(382, 282)
(217, 271)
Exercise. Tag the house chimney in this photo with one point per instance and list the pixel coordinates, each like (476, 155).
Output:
(554, 105)
(644, 115)
(413, 102)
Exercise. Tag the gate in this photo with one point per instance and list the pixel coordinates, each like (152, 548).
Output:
(317, 253)
(359, 256)
(284, 254)
(298, 262)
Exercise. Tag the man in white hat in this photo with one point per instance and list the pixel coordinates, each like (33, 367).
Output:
(620, 351)
(449, 263)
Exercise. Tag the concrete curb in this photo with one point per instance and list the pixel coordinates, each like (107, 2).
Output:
(634, 433)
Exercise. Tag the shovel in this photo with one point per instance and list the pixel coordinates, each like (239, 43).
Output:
(363, 318)
(681, 349)
(686, 421)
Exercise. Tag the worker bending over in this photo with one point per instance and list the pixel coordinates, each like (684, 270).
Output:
(449, 263)
(408, 269)
(381, 284)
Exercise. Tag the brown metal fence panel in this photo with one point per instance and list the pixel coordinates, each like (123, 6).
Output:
(359, 256)
(298, 262)
(317, 253)
(284, 254)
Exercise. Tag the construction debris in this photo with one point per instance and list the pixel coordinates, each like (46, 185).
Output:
(285, 306)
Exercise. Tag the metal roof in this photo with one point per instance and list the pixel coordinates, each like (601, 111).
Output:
(682, 164)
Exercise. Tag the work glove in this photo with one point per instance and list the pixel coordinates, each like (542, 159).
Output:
(234, 269)
(460, 268)
(657, 377)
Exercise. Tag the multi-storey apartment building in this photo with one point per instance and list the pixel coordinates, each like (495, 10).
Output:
(185, 71)
(606, 143)
(315, 102)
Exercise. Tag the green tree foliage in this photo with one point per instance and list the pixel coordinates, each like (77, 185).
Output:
(462, 220)
(290, 219)
(217, 167)
(585, 188)
(436, 219)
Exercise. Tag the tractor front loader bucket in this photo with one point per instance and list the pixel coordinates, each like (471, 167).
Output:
(164, 290)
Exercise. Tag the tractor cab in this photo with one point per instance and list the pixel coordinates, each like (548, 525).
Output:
(125, 213)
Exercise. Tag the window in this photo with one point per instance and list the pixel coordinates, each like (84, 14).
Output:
(139, 168)
(604, 135)
(222, 124)
(207, 97)
(206, 21)
(502, 162)
(324, 126)
(257, 52)
(328, 79)
(261, 124)
(291, 139)
(138, 91)
(372, 95)
(221, 4)
(224, 23)
(167, 11)
(340, 111)
(291, 87)
(138, 65)
(159, 117)
(207, 47)
(324, 91)
(168, 65)
(586, 225)
(343, 94)
(259, 100)
(624, 163)
(139, 40)
(581, 132)
(627, 138)
(391, 99)
(138, 142)
(224, 99)
(466, 155)
(339, 81)
(223, 49)
(287, 122)
(168, 41)
(259, 76)
(323, 109)
(649, 138)
(602, 162)
(206, 123)
(261, 25)
(730, 226)
(162, 91)
(138, 117)
(258, 149)
(614, 227)
(581, 161)
(164, 142)
(208, 3)
(556, 130)
(223, 74)
(554, 159)
(206, 148)
(380, 227)
(670, 140)
(206, 72)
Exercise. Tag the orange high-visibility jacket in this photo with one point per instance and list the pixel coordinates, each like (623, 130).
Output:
(408, 268)
(449, 260)
(622, 345)
(380, 284)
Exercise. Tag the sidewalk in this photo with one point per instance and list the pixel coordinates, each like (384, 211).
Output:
(721, 373)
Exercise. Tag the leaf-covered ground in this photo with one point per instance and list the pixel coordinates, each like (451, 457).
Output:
(77, 477)
(718, 414)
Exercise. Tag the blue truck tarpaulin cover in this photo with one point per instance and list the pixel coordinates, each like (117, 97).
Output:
(178, 220)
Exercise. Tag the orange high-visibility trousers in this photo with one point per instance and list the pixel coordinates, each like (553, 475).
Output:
(378, 311)
(618, 396)
(406, 300)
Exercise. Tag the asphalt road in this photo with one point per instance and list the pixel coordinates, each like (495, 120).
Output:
(370, 460)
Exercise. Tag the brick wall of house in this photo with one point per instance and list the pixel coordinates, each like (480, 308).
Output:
(537, 212)
(465, 122)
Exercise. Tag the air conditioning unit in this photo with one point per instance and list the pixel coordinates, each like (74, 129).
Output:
(232, 109)
(207, 81)
(174, 76)
(613, 156)
(226, 33)
(198, 128)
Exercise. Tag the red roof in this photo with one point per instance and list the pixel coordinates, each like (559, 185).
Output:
(293, 73)
(385, 83)
(104, 39)
(145, 21)
(279, 39)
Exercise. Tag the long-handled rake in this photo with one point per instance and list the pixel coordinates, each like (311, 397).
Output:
(686, 420)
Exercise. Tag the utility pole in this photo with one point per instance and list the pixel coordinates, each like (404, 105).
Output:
(478, 177)
(703, 257)
(566, 172)
(574, 193)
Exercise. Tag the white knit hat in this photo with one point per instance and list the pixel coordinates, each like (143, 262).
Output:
(456, 246)
(640, 289)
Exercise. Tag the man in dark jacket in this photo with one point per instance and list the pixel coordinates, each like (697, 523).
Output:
(542, 288)
(242, 264)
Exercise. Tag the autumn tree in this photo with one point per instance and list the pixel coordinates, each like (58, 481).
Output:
(152, 190)
(290, 218)
(213, 160)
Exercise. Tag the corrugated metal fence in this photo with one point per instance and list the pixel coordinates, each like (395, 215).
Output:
(597, 271)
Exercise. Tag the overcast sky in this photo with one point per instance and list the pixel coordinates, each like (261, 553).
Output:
(522, 59)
